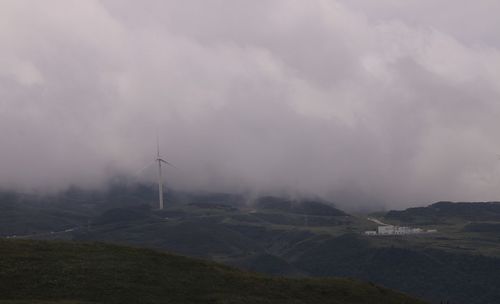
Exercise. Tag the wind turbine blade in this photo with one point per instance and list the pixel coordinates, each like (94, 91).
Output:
(144, 168)
(157, 145)
(166, 162)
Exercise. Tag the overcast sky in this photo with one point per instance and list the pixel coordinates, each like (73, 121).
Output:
(387, 102)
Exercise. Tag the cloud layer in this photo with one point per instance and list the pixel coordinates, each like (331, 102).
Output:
(363, 103)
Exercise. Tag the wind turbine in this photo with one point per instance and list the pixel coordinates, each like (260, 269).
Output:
(160, 178)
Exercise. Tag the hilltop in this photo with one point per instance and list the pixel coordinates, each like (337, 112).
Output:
(55, 272)
(440, 212)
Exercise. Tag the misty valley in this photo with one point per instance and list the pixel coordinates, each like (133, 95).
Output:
(277, 237)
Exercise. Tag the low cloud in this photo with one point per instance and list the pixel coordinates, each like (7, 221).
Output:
(360, 103)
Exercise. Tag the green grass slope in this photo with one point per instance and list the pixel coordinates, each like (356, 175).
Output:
(70, 272)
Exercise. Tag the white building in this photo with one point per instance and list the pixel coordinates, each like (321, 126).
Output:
(394, 230)
(385, 230)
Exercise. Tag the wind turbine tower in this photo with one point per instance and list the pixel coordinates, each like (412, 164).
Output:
(160, 178)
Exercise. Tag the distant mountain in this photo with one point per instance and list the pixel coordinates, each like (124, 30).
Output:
(442, 211)
(60, 272)
(305, 207)
(35, 213)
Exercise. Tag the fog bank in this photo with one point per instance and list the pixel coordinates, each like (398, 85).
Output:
(357, 102)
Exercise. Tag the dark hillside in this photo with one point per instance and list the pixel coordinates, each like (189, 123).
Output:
(483, 227)
(306, 207)
(47, 272)
(431, 274)
(117, 215)
(442, 211)
(28, 214)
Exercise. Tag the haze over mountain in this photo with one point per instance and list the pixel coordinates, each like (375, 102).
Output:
(356, 102)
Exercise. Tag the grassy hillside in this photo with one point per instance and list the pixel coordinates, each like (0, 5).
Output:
(69, 272)
(435, 275)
